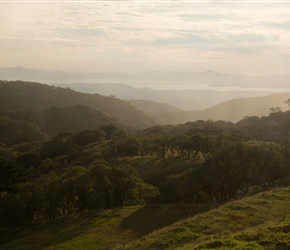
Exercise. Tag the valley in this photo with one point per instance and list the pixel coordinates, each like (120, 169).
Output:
(87, 171)
(144, 125)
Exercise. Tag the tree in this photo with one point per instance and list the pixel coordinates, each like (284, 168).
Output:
(237, 166)
(32, 201)
(123, 181)
(77, 184)
(275, 109)
(11, 214)
(129, 146)
(116, 186)
(49, 188)
(18, 131)
(267, 160)
(88, 136)
(58, 146)
(101, 197)
(11, 175)
(111, 130)
(287, 102)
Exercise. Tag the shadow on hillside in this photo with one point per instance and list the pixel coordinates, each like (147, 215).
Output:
(152, 217)
(76, 225)
(58, 230)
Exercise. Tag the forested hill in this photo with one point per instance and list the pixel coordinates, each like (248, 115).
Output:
(37, 97)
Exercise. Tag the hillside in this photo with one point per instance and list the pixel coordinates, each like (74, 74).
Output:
(105, 189)
(233, 110)
(100, 229)
(71, 119)
(151, 107)
(258, 222)
(38, 97)
(261, 221)
(136, 113)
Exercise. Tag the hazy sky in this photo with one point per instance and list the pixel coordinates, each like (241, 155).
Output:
(246, 37)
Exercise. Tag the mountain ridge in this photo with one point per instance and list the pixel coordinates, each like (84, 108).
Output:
(38, 97)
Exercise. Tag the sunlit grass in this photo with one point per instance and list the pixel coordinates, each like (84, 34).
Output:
(258, 222)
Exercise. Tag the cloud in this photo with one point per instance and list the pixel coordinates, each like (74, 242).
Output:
(247, 43)
(273, 25)
(143, 34)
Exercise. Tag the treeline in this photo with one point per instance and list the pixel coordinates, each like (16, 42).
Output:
(229, 172)
(69, 189)
(66, 174)
(275, 127)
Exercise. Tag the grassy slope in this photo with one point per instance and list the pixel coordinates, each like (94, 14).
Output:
(99, 230)
(258, 222)
(261, 221)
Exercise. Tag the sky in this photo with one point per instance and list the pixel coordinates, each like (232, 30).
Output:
(241, 37)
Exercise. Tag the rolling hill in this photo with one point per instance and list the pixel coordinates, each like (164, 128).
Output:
(151, 107)
(168, 106)
(36, 97)
(137, 114)
(233, 110)
(71, 119)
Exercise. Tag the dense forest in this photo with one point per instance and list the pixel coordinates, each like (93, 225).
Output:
(62, 152)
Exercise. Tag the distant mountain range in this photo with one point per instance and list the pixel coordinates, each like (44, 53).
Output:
(142, 108)
(184, 90)
(206, 79)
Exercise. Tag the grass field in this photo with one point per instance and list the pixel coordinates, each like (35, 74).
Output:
(261, 221)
